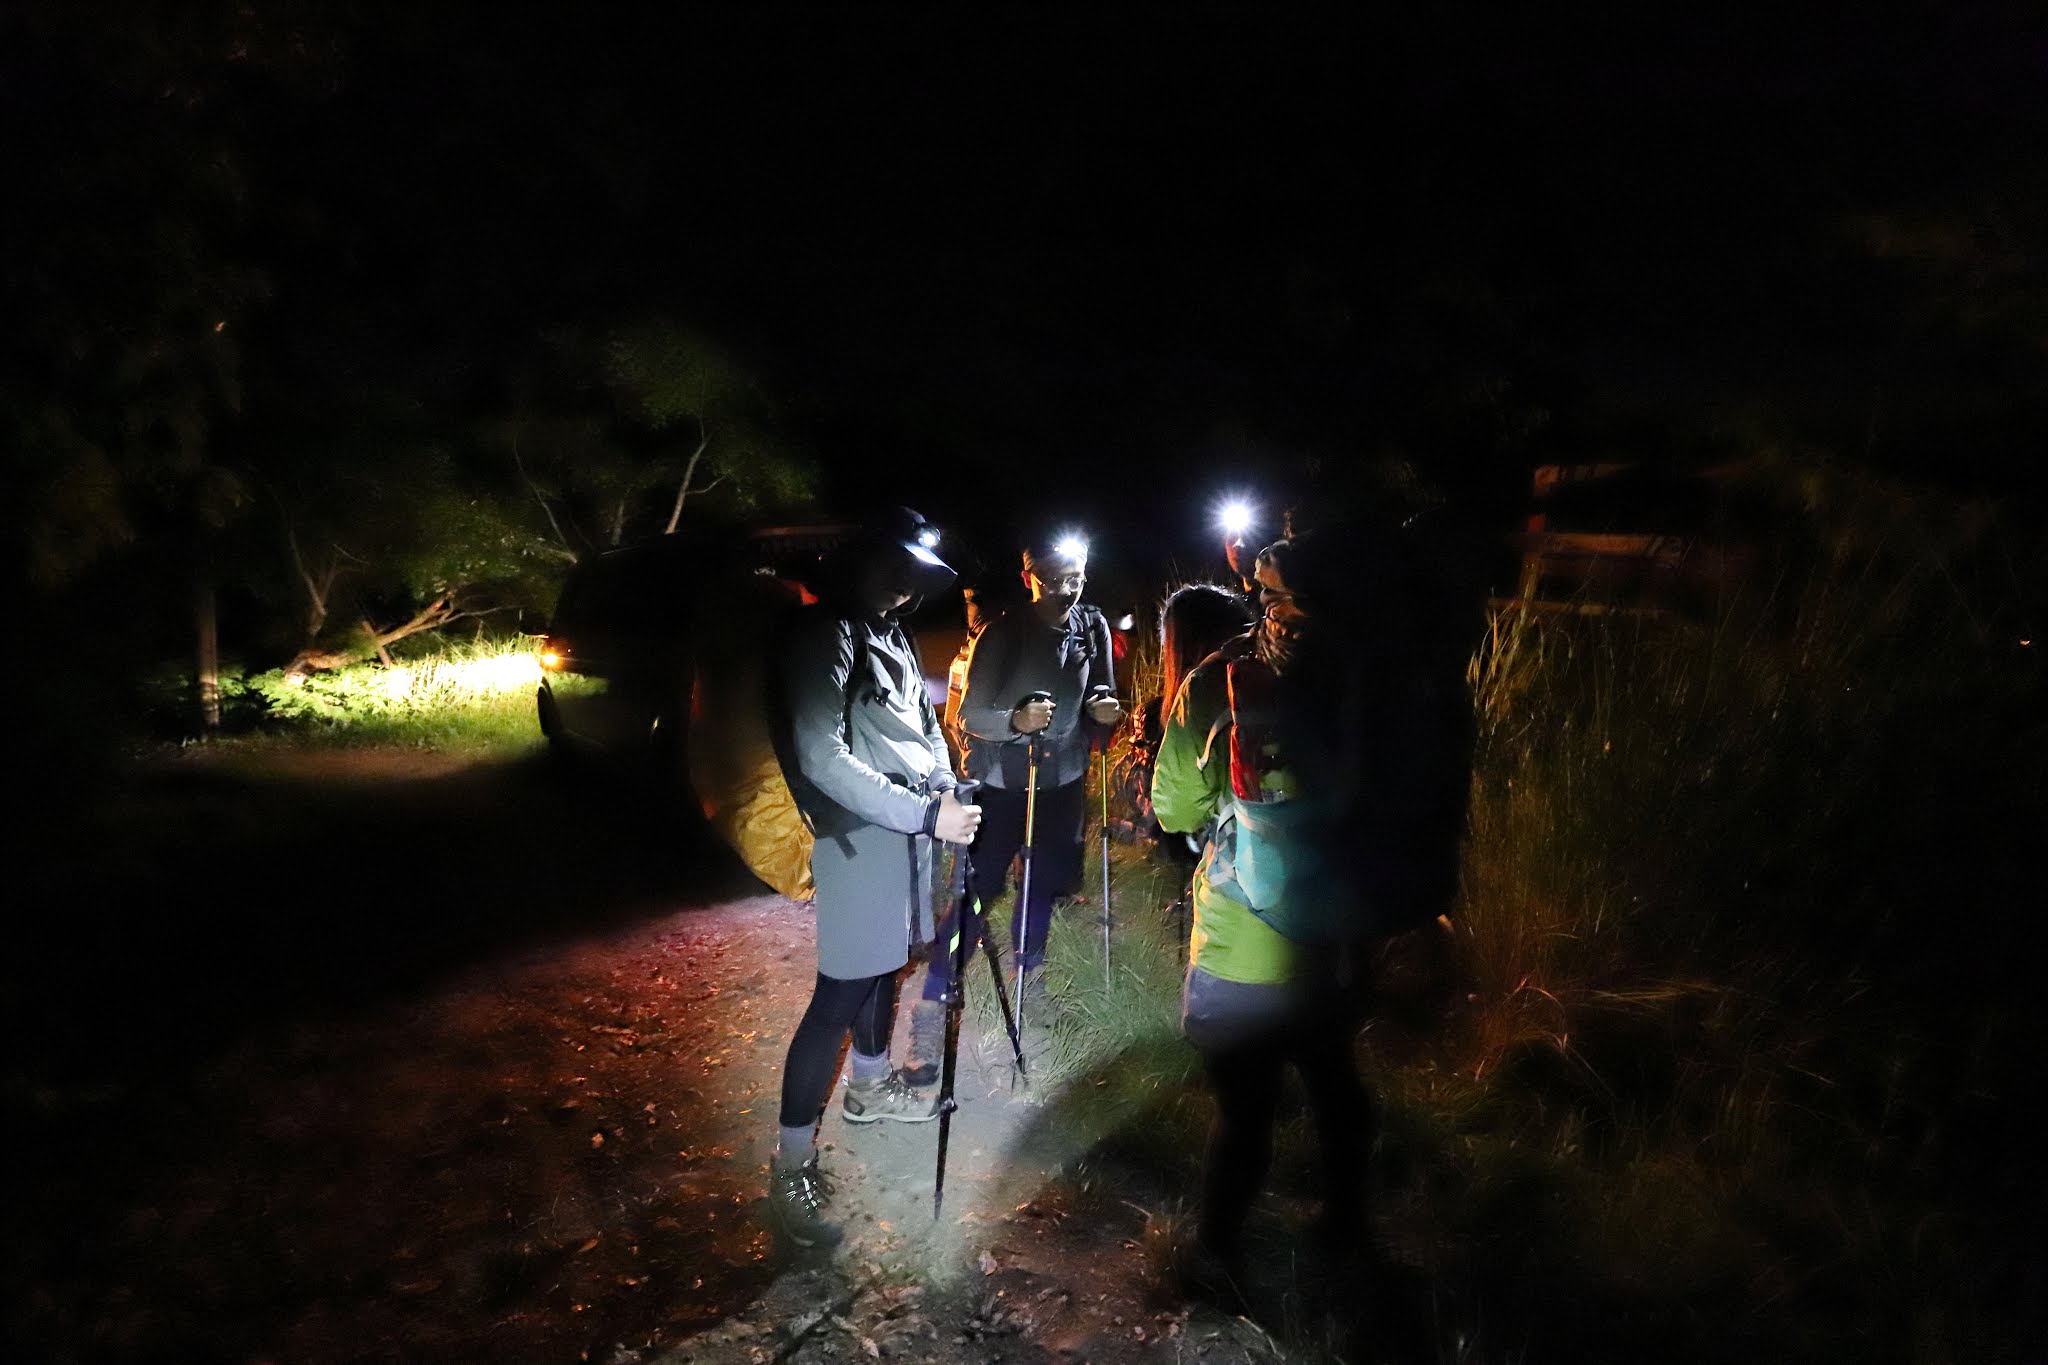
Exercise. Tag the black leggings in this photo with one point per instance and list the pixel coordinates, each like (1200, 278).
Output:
(1246, 1082)
(867, 1006)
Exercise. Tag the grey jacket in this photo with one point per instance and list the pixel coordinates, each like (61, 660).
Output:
(867, 742)
(1016, 655)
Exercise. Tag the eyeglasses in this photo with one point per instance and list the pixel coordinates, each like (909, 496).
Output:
(1072, 580)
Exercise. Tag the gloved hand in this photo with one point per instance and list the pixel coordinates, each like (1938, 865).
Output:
(1104, 709)
(1033, 716)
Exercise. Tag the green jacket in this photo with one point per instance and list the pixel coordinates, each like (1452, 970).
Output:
(1228, 940)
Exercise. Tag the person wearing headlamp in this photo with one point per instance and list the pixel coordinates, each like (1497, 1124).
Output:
(866, 762)
(1056, 645)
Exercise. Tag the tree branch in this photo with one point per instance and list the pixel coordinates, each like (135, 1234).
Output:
(317, 589)
(433, 616)
(567, 550)
(683, 489)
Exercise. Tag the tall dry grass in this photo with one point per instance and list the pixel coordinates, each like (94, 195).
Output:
(1725, 1055)
(1716, 1009)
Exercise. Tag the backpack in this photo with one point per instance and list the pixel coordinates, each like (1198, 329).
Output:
(1370, 847)
(751, 790)
(825, 817)
(956, 688)
(1279, 835)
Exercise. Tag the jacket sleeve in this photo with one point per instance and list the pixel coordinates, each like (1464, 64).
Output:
(984, 712)
(1186, 797)
(818, 665)
(943, 779)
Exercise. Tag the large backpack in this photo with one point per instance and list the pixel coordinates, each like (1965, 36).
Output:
(1278, 834)
(1367, 845)
(739, 763)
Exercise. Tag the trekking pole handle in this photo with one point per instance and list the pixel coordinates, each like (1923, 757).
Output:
(1031, 698)
(963, 792)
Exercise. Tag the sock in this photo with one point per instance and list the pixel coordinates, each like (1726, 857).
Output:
(795, 1146)
(868, 1070)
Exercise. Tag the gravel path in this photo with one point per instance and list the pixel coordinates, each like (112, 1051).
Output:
(516, 1105)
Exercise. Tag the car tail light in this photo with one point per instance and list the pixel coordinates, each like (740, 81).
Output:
(554, 654)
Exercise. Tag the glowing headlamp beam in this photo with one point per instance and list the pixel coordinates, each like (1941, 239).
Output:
(1235, 517)
(928, 538)
(1071, 547)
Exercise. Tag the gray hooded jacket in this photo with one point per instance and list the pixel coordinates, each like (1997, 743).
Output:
(867, 742)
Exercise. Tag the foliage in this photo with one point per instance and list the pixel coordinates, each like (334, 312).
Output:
(1713, 1020)
(478, 695)
(127, 289)
(1719, 1059)
(617, 432)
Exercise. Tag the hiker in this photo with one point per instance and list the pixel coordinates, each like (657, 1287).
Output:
(1286, 748)
(1053, 644)
(1194, 621)
(979, 605)
(871, 777)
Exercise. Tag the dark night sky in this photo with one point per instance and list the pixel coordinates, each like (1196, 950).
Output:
(1120, 242)
(1110, 265)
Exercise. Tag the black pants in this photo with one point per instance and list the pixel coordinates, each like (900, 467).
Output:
(867, 1007)
(1246, 1082)
(1055, 870)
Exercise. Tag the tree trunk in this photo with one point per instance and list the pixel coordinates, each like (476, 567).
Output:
(206, 616)
(683, 489)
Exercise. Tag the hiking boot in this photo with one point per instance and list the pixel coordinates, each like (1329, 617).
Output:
(888, 1098)
(798, 1197)
(927, 1043)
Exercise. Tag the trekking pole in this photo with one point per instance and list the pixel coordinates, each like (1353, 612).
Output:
(1096, 693)
(1105, 865)
(995, 971)
(1030, 834)
(955, 1003)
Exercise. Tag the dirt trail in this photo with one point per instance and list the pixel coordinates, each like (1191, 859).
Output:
(541, 1136)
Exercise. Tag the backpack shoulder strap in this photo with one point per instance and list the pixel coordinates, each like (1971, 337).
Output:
(925, 710)
(1089, 623)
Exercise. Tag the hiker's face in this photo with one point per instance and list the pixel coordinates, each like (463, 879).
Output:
(1276, 599)
(1057, 582)
(886, 583)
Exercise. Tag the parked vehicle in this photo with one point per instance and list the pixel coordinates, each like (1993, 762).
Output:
(627, 622)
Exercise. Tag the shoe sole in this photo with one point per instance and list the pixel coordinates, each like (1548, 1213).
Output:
(808, 1243)
(889, 1118)
(804, 1240)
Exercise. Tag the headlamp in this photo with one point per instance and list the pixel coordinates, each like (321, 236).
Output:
(1071, 546)
(1235, 517)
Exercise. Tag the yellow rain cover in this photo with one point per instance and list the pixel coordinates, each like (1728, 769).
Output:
(733, 767)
